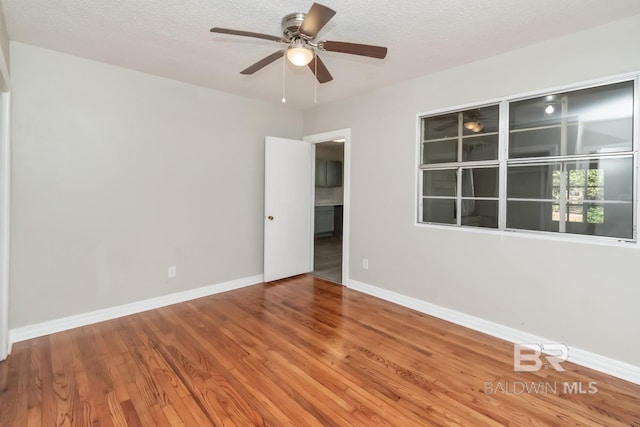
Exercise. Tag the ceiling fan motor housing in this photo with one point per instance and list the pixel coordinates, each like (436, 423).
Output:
(291, 25)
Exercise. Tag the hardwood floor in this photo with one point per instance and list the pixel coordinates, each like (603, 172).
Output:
(298, 352)
(327, 258)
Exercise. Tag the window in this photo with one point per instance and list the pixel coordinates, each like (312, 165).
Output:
(460, 168)
(588, 187)
(567, 161)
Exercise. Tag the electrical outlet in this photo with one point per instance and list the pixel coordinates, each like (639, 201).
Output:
(172, 271)
(365, 264)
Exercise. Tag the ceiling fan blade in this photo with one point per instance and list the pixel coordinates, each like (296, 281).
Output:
(354, 49)
(263, 62)
(323, 74)
(316, 18)
(453, 122)
(246, 34)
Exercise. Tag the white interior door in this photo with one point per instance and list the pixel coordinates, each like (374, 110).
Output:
(287, 208)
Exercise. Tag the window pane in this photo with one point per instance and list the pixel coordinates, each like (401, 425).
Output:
(532, 216)
(605, 116)
(607, 136)
(532, 113)
(617, 176)
(481, 213)
(439, 182)
(603, 179)
(480, 120)
(596, 120)
(440, 152)
(594, 214)
(534, 143)
(534, 182)
(576, 213)
(444, 126)
(609, 220)
(480, 148)
(480, 182)
(442, 211)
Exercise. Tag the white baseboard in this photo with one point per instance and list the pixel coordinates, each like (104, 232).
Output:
(578, 356)
(584, 358)
(75, 321)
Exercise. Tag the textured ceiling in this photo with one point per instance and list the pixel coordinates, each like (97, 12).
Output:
(171, 38)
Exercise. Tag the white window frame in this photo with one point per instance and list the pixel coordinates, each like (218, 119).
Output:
(503, 147)
(459, 165)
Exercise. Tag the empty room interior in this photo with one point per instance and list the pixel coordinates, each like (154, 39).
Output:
(289, 213)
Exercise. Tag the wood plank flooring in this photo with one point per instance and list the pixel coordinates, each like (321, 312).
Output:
(327, 258)
(298, 352)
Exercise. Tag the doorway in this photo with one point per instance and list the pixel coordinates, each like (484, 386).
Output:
(343, 137)
(328, 210)
(298, 190)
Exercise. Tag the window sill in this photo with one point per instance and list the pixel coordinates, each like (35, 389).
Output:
(538, 235)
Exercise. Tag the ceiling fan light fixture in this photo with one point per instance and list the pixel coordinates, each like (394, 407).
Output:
(299, 54)
(473, 125)
(550, 108)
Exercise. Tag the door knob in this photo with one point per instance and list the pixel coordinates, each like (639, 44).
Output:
(270, 218)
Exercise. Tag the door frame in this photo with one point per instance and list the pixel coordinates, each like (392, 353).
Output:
(5, 211)
(346, 199)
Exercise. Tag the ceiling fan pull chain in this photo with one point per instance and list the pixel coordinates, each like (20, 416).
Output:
(284, 67)
(315, 80)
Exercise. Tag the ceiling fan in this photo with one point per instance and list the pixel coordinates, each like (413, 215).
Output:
(472, 120)
(299, 32)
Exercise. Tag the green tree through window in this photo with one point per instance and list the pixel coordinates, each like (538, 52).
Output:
(583, 187)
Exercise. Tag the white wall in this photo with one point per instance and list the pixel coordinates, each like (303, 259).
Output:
(119, 174)
(4, 55)
(584, 295)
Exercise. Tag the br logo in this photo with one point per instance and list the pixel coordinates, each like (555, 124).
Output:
(528, 357)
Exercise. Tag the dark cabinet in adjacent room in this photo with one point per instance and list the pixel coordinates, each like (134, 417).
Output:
(328, 173)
